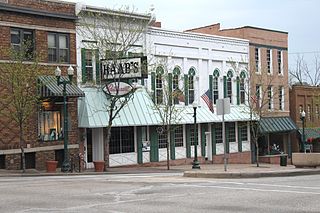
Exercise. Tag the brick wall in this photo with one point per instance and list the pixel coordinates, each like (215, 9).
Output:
(41, 25)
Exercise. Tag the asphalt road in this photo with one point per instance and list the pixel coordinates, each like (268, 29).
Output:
(158, 192)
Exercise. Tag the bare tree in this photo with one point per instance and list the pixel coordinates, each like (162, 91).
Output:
(166, 99)
(19, 96)
(116, 36)
(302, 73)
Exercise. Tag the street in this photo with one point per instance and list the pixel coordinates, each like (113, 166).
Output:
(158, 192)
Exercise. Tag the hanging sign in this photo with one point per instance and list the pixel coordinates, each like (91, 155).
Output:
(124, 68)
(117, 89)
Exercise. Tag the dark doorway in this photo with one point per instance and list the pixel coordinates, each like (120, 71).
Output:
(59, 157)
(89, 145)
(2, 161)
(30, 160)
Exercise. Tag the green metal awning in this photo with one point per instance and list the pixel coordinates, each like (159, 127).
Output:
(310, 133)
(92, 111)
(50, 88)
(277, 125)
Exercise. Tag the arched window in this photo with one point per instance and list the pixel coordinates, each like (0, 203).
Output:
(159, 85)
(215, 85)
(177, 93)
(191, 75)
(242, 87)
(229, 85)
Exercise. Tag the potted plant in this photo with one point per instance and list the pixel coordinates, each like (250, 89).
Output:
(98, 165)
(51, 165)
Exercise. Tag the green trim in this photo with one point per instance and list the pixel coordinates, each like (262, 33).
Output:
(216, 72)
(225, 86)
(192, 71)
(154, 145)
(170, 88)
(204, 128)
(239, 138)
(153, 86)
(238, 90)
(230, 73)
(83, 65)
(213, 139)
(243, 74)
(188, 142)
(227, 139)
(186, 89)
(176, 70)
(160, 70)
(139, 145)
(97, 65)
(172, 146)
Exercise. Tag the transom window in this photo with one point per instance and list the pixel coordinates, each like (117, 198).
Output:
(22, 39)
(178, 136)
(218, 133)
(122, 140)
(58, 48)
(232, 132)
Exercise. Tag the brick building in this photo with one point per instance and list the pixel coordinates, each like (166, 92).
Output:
(50, 27)
(306, 98)
(268, 67)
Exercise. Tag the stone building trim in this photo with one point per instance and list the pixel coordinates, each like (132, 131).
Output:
(37, 149)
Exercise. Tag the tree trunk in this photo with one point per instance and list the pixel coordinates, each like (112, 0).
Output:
(106, 148)
(168, 147)
(23, 160)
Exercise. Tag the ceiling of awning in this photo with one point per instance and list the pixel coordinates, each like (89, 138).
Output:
(277, 125)
(49, 87)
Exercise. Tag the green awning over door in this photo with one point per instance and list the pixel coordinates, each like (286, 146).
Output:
(277, 125)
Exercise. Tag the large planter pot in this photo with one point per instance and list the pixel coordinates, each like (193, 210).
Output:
(306, 159)
(51, 165)
(99, 165)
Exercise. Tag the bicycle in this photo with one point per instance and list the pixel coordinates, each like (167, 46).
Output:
(78, 164)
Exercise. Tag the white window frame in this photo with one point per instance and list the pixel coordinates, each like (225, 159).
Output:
(281, 98)
(281, 62)
(258, 71)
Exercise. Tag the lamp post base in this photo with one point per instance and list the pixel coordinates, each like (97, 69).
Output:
(195, 164)
(66, 167)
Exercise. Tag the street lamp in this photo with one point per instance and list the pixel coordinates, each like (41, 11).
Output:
(66, 163)
(195, 164)
(303, 117)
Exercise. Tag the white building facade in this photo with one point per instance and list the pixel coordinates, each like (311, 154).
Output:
(197, 64)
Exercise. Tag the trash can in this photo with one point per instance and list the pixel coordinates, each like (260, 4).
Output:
(283, 160)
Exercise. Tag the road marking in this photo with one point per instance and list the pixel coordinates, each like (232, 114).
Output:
(251, 189)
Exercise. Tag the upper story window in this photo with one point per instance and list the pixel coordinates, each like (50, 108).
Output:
(242, 87)
(269, 61)
(23, 40)
(281, 98)
(229, 85)
(177, 93)
(192, 73)
(58, 48)
(270, 99)
(215, 85)
(309, 112)
(280, 63)
(159, 85)
(89, 65)
(257, 99)
(257, 59)
(317, 111)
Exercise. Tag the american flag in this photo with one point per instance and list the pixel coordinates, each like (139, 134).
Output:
(207, 97)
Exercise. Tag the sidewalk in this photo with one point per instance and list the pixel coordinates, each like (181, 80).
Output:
(206, 171)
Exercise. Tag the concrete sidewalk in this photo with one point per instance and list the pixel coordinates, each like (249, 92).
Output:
(206, 171)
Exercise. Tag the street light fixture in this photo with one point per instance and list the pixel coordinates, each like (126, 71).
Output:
(303, 117)
(195, 164)
(66, 163)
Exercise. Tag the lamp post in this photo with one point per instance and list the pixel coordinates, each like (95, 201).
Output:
(66, 163)
(195, 164)
(303, 117)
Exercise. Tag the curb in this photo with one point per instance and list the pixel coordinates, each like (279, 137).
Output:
(207, 174)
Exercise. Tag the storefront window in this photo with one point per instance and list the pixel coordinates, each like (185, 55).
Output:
(50, 122)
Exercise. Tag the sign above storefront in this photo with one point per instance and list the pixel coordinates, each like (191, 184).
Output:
(124, 68)
(117, 89)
